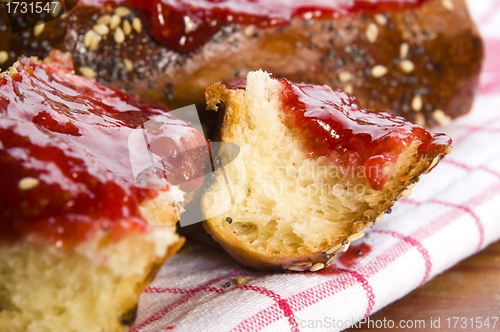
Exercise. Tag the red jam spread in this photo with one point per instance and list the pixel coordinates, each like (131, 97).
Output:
(350, 258)
(331, 123)
(64, 155)
(185, 25)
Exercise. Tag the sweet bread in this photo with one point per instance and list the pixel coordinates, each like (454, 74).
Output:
(317, 169)
(79, 240)
(410, 58)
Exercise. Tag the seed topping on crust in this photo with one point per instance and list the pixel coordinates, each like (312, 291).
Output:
(379, 71)
(372, 33)
(356, 236)
(317, 267)
(28, 183)
(334, 249)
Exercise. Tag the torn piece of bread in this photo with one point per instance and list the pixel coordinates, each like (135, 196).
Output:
(318, 169)
(79, 240)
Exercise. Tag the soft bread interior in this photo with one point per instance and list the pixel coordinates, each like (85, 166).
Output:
(295, 206)
(94, 287)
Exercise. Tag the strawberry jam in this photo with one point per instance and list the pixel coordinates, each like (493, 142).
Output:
(185, 25)
(331, 123)
(64, 155)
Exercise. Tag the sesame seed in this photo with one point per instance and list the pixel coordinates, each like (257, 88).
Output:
(403, 50)
(317, 267)
(37, 31)
(119, 35)
(407, 66)
(406, 193)
(55, 8)
(137, 24)
(114, 22)
(128, 64)
(344, 76)
(95, 42)
(369, 224)
(127, 28)
(334, 249)
(104, 19)
(372, 33)
(448, 150)
(413, 185)
(420, 119)
(229, 220)
(346, 246)
(4, 56)
(434, 163)
(241, 281)
(349, 89)
(296, 269)
(304, 263)
(122, 11)
(227, 284)
(101, 29)
(417, 103)
(448, 5)
(87, 38)
(379, 218)
(87, 72)
(356, 236)
(379, 71)
(91, 40)
(249, 30)
(441, 118)
(28, 183)
(380, 19)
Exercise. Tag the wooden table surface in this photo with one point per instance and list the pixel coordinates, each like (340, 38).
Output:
(470, 289)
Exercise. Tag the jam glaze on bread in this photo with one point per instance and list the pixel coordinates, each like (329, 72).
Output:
(410, 58)
(79, 240)
(319, 169)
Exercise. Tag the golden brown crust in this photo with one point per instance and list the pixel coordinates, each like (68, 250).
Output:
(447, 57)
(129, 308)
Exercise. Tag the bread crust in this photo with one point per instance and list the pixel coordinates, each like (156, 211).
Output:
(339, 52)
